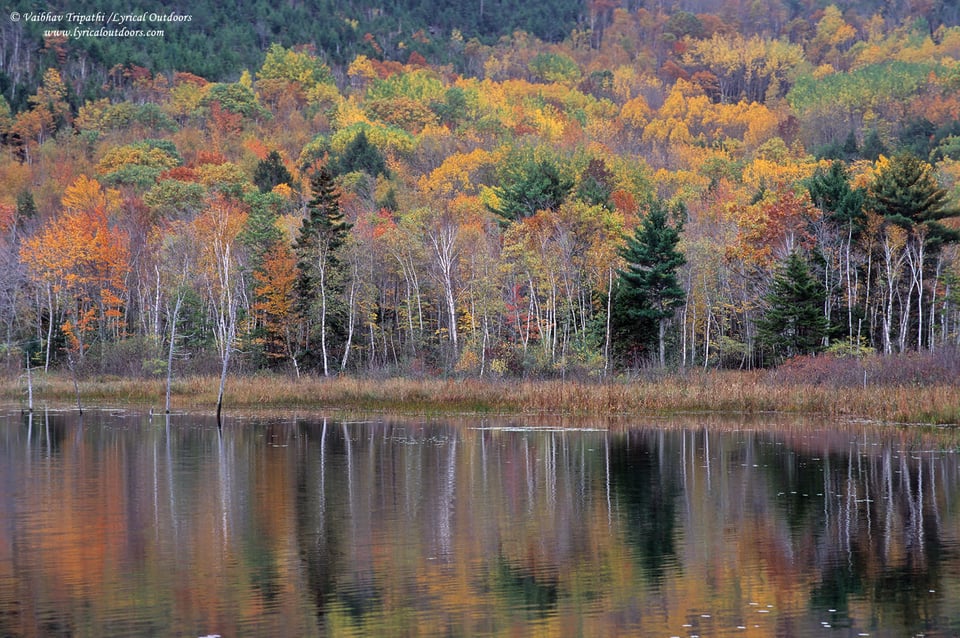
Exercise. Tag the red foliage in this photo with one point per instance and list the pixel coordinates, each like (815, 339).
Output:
(416, 60)
(209, 157)
(181, 174)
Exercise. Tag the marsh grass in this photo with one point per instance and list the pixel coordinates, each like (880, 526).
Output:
(753, 392)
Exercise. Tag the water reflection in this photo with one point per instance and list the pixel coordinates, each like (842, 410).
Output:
(121, 525)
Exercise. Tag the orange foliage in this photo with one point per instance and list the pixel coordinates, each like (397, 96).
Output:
(257, 147)
(771, 229)
(209, 157)
(8, 216)
(81, 257)
(181, 173)
(275, 290)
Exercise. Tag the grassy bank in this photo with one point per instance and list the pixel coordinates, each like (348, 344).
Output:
(727, 392)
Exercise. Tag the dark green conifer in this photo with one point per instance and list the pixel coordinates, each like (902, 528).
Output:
(906, 193)
(793, 323)
(649, 291)
(271, 172)
(320, 274)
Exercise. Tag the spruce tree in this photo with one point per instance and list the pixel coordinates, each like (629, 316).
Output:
(649, 291)
(320, 275)
(793, 323)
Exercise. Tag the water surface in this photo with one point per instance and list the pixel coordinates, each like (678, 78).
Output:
(117, 524)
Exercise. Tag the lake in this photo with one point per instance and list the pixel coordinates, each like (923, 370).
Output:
(119, 524)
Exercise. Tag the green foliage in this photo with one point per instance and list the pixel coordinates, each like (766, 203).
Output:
(271, 172)
(319, 272)
(793, 322)
(388, 138)
(136, 175)
(555, 67)
(596, 183)
(530, 183)
(422, 85)
(173, 198)
(26, 207)
(360, 156)
(235, 98)
(453, 108)
(905, 192)
(294, 66)
(830, 191)
(152, 117)
(649, 291)
(845, 348)
(873, 146)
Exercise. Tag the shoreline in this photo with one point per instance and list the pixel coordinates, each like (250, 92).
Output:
(715, 392)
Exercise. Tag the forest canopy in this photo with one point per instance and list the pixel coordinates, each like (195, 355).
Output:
(481, 189)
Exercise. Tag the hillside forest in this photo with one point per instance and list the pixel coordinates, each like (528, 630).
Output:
(713, 185)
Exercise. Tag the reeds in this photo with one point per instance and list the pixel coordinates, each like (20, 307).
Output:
(752, 392)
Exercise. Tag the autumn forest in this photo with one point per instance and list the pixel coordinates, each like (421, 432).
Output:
(663, 185)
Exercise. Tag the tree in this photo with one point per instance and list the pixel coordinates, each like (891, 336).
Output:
(321, 235)
(905, 192)
(843, 211)
(793, 323)
(531, 184)
(649, 291)
(221, 264)
(275, 291)
(361, 155)
(271, 172)
(80, 261)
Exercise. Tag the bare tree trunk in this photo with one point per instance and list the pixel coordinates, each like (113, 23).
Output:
(29, 385)
(607, 327)
(351, 313)
(228, 349)
(170, 349)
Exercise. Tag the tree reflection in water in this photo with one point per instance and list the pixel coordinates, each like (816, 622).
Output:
(126, 525)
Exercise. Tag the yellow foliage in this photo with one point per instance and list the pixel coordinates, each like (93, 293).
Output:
(87, 195)
(469, 361)
(350, 112)
(361, 69)
(765, 172)
(226, 173)
(454, 175)
(283, 190)
(762, 125)
(636, 112)
(131, 155)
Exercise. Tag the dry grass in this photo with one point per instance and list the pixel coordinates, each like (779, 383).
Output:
(716, 392)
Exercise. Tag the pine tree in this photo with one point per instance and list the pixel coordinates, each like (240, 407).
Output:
(905, 192)
(649, 291)
(830, 191)
(794, 322)
(319, 272)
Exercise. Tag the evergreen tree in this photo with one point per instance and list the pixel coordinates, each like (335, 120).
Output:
(361, 156)
(26, 209)
(830, 191)
(873, 146)
(530, 184)
(850, 148)
(271, 172)
(320, 276)
(905, 192)
(649, 291)
(794, 322)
